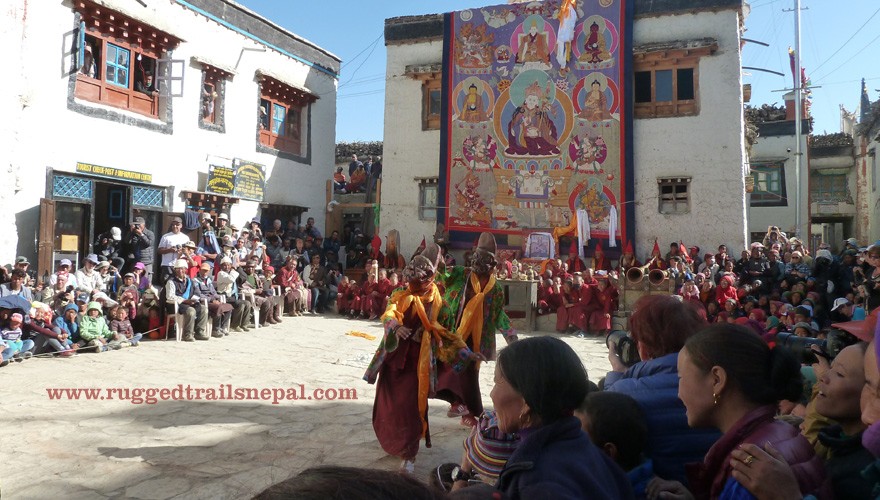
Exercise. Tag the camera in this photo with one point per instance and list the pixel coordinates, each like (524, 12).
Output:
(624, 346)
(836, 341)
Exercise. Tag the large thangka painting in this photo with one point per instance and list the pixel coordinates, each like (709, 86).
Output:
(536, 129)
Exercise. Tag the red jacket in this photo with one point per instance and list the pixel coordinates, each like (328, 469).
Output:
(707, 479)
(722, 294)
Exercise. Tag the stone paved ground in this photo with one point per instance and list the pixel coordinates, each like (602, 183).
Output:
(208, 449)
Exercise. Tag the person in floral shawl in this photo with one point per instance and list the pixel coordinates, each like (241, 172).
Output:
(475, 311)
(404, 367)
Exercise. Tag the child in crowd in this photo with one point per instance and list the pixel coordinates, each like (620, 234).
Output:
(94, 331)
(12, 344)
(121, 327)
(617, 425)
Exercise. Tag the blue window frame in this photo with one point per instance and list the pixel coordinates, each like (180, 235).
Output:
(279, 114)
(117, 67)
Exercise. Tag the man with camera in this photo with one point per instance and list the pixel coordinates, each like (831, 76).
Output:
(139, 246)
(170, 247)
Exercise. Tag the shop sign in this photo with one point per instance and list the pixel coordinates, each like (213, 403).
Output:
(114, 173)
(244, 180)
(250, 180)
(221, 180)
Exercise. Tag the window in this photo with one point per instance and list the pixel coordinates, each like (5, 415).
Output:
(829, 188)
(666, 80)
(873, 154)
(117, 60)
(428, 199)
(117, 65)
(769, 188)
(674, 195)
(281, 116)
(431, 97)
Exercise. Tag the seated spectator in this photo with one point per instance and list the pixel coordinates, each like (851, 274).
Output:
(46, 336)
(88, 279)
(796, 270)
(94, 331)
(660, 326)
(292, 288)
(181, 291)
(146, 85)
(539, 382)
(486, 451)
(11, 342)
(122, 329)
(251, 283)
(219, 312)
(358, 180)
(141, 278)
(732, 381)
(227, 286)
(339, 181)
(68, 324)
(617, 425)
(16, 286)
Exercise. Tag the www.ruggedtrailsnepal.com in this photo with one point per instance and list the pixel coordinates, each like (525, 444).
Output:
(181, 392)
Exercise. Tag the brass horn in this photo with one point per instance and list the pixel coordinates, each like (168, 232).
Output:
(657, 276)
(636, 274)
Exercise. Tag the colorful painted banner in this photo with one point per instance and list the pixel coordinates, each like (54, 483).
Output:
(536, 128)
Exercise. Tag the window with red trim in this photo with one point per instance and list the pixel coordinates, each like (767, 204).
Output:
(282, 121)
(117, 60)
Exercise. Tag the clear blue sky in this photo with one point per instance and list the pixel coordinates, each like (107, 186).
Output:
(353, 31)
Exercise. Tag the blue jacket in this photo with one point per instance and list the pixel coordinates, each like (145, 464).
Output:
(72, 329)
(671, 443)
(559, 461)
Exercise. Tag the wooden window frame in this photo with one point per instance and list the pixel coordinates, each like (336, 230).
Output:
(672, 60)
(295, 103)
(105, 27)
(819, 183)
(424, 208)
(766, 197)
(680, 204)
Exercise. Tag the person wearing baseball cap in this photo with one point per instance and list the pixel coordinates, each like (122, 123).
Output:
(842, 310)
(182, 292)
(170, 247)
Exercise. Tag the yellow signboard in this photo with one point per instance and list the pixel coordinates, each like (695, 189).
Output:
(114, 173)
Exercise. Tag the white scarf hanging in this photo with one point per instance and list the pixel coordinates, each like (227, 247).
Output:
(583, 227)
(612, 227)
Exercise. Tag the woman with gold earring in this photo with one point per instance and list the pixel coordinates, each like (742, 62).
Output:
(731, 380)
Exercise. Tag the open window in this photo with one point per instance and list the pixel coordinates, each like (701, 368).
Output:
(674, 195)
(118, 60)
(769, 190)
(283, 115)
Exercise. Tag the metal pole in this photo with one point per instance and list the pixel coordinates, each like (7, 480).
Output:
(797, 109)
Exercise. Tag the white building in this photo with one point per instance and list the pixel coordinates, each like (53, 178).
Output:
(773, 200)
(239, 91)
(867, 144)
(690, 151)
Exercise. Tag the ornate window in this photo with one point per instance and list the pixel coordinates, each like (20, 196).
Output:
(666, 79)
(283, 121)
(118, 60)
(830, 188)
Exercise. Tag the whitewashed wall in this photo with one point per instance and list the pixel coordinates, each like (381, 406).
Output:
(409, 151)
(708, 147)
(783, 216)
(58, 138)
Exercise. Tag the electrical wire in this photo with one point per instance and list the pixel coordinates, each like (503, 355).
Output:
(847, 41)
(858, 53)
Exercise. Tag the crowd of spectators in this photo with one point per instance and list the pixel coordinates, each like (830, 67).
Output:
(228, 281)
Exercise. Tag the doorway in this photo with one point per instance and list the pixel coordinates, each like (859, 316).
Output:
(111, 207)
